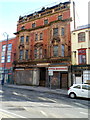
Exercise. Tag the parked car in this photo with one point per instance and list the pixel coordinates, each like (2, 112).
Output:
(79, 90)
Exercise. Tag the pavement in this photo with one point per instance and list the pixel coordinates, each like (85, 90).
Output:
(38, 88)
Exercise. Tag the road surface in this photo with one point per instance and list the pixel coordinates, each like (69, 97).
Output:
(20, 103)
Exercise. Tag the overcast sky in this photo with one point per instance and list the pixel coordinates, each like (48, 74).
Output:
(10, 10)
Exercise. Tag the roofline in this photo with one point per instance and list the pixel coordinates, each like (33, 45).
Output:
(82, 28)
(8, 39)
(42, 10)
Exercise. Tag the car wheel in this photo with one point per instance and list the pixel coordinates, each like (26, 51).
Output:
(72, 95)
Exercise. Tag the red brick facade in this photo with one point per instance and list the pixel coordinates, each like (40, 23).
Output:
(10, 57)
(13, 52)
(48, 45)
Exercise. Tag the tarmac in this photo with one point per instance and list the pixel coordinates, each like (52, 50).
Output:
(39, 89)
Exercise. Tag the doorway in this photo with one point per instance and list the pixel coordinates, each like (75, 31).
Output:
(64, 81)
(42, 80)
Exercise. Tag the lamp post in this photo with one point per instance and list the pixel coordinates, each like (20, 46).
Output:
(5, 60)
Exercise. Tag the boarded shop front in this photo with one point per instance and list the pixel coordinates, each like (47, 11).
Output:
(58, 77)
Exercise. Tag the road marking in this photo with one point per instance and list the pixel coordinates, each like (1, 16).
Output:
(80, 104)
(44, 113)
(45, 105)
(42, 98)
(84, 113)
(45, 99)
(51, 100)
(15, 93)
(12, 113)
(1, 91)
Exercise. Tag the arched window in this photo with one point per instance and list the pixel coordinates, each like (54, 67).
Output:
(81, 37)
(38, 53)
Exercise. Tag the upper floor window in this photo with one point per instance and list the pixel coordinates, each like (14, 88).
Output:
(55, 50)
(62, 31)
(35, 53)
(82, 56)
(46, 22)
(89, 35)
(38, 53)
(22, 39)
(23, 27)
(60, 17)
(81, 37)
(27, 39)
(3, 47)
(9, 47)
(55, 31)
(41, 36)
(33, 25)
(26, 55)
(62, 50)
(2, 59)
(8, 58)
(36, 37)
(21, 54)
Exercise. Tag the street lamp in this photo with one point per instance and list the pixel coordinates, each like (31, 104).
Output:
(5, 55)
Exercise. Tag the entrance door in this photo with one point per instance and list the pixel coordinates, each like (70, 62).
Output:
(64, 80)
(42, 80)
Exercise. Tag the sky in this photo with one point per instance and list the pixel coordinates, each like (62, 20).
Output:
(10, 10)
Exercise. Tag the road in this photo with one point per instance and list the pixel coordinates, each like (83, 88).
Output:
(19, 103)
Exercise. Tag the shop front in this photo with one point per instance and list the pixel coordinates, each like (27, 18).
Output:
(6, 76)
(80, 74)
(43, 74)
(58, 77)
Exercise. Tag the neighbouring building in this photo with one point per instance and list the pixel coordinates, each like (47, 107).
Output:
(44, 48)
(80, 48)
(7, 57)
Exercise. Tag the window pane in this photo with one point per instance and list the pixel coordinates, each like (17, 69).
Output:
(55, 51)
(60, 17)
(40, 53)
(8, 58)
(82, 56)
(81, 37)
(3, 47)
(23, 27)
(9, 47)
(62, 31)
(21, 55)
(62, 50)
(22, 39)
(41, 36)
(55, 31)
(26, 54)
(2, 59)
(36, 37)
(33, 25)
(35, 53)
(27, 38)
(45, 22)
(89, 35)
